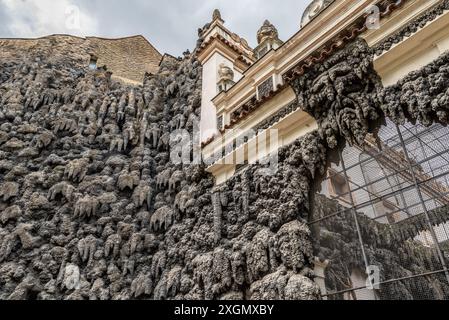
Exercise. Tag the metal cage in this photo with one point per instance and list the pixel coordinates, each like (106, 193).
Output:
(382, 217)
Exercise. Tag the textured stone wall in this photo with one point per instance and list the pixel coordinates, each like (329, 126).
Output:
(346, 97)
(49, 49)
(342, 94)
(390, 247)
(92, 208)
(127, 58)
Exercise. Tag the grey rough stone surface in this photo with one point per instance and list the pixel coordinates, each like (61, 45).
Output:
(422, 96)
(341, 94)
(92, 208)
(346, 97)
(413, 26)
(390, 247)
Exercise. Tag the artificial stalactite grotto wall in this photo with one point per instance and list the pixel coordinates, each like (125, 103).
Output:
(347, 98)
(392, 248)
(92, 208)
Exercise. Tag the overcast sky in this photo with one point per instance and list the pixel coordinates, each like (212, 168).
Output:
(170, 25)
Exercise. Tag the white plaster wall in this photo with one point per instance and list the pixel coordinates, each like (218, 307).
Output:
(237, 75)
(359, 280)
(415, 52)
(208, 125)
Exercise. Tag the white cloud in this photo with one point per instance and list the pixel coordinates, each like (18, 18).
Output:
(171, 25)
(34, 18)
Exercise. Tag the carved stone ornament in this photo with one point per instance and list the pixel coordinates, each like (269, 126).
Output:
(216, 15)
(225, 73)
(314, 9)
(422, 96)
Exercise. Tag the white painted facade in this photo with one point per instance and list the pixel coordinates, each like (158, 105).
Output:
(410, 54)
(208, 126)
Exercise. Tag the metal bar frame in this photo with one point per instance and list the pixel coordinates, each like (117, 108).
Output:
(416, 184)
(381, 198)
(386, 282)
(426, 212)
(354, 214)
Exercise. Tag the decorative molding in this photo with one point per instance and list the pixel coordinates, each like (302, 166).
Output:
(267, 123)
(266, 87)
(355, 84)
(313, 10)
(341, 94)
(344, 38)
(246, 109)
(241, 56)
(411, 28)
(278, 116)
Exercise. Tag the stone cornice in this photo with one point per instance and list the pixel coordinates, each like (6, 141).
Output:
(412, 27)
(241, 55)
(339, 41)
(342, 39)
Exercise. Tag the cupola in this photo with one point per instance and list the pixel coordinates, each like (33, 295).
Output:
(267, 39)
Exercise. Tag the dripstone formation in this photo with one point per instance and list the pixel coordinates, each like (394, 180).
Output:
(341, 94)
(91, 206)
(390, 247)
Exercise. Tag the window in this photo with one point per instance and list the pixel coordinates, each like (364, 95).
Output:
(339, 186)
(262, 51)
(220, 122)
(391, 210)
(378, 181)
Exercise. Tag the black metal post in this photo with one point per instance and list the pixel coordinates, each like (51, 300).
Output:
(354, 213)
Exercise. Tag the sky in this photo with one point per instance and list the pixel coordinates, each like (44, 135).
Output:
(170, 25)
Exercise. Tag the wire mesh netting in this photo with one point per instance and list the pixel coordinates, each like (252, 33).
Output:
(382, 217)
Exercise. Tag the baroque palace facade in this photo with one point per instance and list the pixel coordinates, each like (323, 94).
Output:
(353, 72)
(325, 171)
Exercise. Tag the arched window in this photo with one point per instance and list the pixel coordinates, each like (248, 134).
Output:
(378, 182)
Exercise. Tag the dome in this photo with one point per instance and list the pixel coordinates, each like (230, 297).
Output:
(267, 31)
(313, 10)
